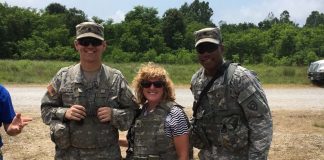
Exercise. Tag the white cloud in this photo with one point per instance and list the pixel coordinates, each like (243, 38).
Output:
(256, 11)
(118, 16)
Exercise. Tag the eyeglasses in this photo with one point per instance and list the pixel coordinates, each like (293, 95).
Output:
(88, 40)
(206, 47)
(156, 84)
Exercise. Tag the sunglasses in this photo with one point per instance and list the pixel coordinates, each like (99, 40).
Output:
(87, 41)
(156, 84)
(206, 47)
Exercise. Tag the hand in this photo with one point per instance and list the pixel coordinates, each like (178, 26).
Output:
(75, 112)
(17, 124)
(104, 114)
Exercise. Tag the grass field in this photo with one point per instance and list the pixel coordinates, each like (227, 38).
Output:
(41, 72)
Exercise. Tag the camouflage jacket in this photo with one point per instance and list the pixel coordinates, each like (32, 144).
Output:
(69, 87)
(234, 116)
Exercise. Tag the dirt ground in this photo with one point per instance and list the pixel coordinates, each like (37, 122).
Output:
(296, 137)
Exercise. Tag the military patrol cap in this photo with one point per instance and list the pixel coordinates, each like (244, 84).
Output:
(89, 29)
(211, 35)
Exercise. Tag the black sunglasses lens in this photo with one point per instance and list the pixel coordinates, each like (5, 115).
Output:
(146, 84)
(206, 47)
(156, 84)
(87, 41)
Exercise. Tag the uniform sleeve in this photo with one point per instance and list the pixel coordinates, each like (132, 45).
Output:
(252, 99)
(51, 103)
(176, 123)
(7, 112)
(123, 115)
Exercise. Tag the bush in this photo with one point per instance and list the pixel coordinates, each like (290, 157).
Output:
(166, 58)
(148, 56)
(270, 59)
(121, 57)
(65, 53)
(184, 56)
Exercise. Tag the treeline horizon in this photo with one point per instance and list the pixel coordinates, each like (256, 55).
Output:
(49, 33)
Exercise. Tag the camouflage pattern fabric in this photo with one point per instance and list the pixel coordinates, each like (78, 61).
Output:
(89, 29)
(211, 35)
(234, 117)
(150, 140)
(80, 139)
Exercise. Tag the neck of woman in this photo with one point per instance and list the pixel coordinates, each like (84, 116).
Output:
(151, 106)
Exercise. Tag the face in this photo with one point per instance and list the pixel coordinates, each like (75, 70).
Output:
(210, 55)
(90, 49)
(153, 90)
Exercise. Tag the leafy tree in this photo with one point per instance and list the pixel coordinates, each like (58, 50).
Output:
(33, 48)
(72, 18)
(268, 22)
(55, 8)
(16, 24)
(285, 18)
(287, 44)
(173, 28)
(197, 11)
(314, 19)
(97, 19)
(139, 26)
(143, 14)
(189, 38)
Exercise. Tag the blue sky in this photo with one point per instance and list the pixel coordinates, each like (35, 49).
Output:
(230, 11)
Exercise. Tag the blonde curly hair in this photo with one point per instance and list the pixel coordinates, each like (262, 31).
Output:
(153, 71)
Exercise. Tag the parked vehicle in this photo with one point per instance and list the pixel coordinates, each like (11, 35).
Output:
(316, 71)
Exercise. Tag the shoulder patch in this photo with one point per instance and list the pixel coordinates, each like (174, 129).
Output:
(51, 90)
(252, 105)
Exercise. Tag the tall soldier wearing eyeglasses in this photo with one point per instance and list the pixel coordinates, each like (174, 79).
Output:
(231, 116)
(87, 103)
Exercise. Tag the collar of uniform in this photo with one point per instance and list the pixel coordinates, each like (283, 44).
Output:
(205, 79)
(79, 77)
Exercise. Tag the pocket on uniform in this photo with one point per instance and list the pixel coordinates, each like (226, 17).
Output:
(60, 134)
(234, 133)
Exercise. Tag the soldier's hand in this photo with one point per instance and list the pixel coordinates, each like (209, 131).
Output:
(75, 112)
(104, 114)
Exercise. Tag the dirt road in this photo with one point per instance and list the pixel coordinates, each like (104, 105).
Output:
(297, 112)
(306, 97)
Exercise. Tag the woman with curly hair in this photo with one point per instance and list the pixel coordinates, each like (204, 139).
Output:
(161, 128)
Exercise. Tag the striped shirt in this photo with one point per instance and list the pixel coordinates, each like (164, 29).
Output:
(176, 123)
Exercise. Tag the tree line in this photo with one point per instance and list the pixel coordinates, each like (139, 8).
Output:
(48, 34)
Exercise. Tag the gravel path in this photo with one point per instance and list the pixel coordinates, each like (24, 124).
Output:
(307, 97)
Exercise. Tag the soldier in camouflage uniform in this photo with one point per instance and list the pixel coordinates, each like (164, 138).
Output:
(233, 119)
(86, 104)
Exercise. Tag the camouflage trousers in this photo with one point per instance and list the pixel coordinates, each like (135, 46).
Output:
(216, 154)
(72, 153)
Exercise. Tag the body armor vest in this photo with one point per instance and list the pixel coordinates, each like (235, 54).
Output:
(90, 132)
(150, 141)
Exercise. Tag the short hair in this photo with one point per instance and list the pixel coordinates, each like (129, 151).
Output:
(153, 71)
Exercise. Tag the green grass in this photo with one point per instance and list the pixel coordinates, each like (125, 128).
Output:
(281, 74)
(319, 124)
(41, 72)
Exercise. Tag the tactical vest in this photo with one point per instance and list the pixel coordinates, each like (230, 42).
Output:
(150, 141)
(90, 132)
(221, 117)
